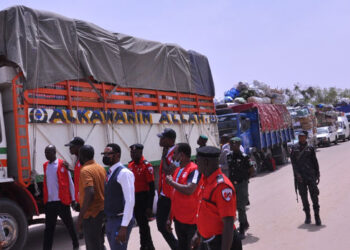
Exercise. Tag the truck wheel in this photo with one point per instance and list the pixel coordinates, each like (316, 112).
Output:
(14, 223)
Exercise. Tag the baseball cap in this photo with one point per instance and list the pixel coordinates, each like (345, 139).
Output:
(136, 146)
(76, 141)
(168, 133)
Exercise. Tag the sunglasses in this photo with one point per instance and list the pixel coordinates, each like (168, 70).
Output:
(107, 153)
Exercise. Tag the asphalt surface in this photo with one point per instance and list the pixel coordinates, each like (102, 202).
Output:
(275, 217)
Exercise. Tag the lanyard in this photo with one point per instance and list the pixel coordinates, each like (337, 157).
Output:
(179, 173)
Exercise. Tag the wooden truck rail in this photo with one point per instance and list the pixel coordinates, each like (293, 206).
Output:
(74, 95)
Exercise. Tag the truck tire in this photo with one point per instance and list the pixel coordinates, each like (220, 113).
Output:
(14, 223)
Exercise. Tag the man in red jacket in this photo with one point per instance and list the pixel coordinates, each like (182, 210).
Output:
(144, 194)
(217, 205)
(58, 191)
(184, 200)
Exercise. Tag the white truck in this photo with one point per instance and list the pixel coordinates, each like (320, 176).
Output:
(46, 103)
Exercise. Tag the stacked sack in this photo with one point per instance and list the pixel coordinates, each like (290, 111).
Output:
(256, 92)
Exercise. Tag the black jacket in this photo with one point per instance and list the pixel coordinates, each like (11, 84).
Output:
(304, 162)
(238, 165)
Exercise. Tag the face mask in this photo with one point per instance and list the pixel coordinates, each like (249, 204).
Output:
(176, 163)
(106, 160)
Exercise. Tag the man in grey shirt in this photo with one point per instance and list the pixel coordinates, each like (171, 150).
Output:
(225, 150)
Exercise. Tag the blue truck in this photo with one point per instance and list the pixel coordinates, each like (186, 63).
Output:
(265, 130)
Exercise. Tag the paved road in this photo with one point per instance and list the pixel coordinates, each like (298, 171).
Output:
(276, 219)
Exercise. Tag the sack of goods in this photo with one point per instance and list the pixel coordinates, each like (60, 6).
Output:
(255, 99)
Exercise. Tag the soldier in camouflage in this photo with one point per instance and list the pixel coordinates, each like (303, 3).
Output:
(306, 176)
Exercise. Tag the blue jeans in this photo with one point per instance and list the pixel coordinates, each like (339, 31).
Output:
(113, 226)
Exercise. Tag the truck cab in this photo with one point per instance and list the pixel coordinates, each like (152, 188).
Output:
(237, 125)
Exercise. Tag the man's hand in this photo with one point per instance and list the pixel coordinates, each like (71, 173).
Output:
(168, 226)
(121, 237)
(75, 205)
(169, 179)
(196, 240)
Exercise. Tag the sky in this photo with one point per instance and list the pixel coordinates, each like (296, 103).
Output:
(277, 42)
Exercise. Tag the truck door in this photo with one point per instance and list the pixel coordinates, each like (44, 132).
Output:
(3, 146)
(245, 133)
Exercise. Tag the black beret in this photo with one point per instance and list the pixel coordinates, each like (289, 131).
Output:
(136, 146)
(168, 133)
(208, 151)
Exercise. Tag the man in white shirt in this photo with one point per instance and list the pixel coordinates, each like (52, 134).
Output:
(225, 150)
(58, 192)
(119, 199)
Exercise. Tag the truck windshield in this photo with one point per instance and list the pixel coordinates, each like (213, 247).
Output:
(227, 125)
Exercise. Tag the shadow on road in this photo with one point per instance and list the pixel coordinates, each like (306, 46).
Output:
(311, 227)
(250, 239)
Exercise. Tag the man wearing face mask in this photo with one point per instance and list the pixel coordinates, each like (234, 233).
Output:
(144, 194)
(184, 200)
(167, 141)
(91, 195)
(119, 198)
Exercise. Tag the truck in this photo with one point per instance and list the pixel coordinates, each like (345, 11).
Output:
(265, 130)
(304, 118)
(327, 116)
(61, 77)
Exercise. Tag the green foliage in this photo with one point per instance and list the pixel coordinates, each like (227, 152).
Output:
(315, 95)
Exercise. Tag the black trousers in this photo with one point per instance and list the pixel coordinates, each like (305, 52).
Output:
(215, 244)
(93, 232)
(163, 211)
(303, 188)
(185, 233)
(141, 202)
(52, 210)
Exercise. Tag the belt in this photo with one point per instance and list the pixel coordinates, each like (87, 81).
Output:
(208, 240)
(115, 216)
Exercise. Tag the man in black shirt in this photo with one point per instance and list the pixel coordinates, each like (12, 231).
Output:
(240, 167)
